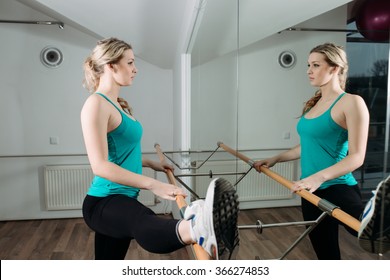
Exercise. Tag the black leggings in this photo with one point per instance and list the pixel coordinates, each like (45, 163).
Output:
(117, 219)
(325, 236)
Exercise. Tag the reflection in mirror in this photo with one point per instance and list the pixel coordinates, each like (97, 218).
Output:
(214, 76)
(241, 93)
(213, 92)
(368, 77)
(271, 96)
(249, 84)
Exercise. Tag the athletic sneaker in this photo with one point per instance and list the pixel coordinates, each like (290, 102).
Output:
(214, 220)
(374, 233)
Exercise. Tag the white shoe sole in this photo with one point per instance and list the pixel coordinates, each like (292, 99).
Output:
(374, 233)
(222, 199)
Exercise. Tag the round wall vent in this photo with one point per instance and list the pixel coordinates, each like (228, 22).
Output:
(287, 59)
(51, 57)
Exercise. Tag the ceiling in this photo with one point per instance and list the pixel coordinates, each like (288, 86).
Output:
(160, 29)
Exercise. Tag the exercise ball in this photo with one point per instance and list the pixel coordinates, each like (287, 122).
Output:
(373, 19)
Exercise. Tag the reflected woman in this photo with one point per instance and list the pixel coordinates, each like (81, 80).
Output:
(333, 132)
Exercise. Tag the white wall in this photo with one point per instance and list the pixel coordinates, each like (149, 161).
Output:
(214, 103)
(38, 103)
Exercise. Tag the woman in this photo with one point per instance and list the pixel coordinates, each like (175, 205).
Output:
(333, 132)
(112, 138)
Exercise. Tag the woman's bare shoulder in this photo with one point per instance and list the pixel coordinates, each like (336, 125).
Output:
(354, 102)
(352, 98)
(94, 105)
(94, 101)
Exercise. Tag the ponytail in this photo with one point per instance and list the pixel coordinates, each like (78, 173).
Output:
(91, 75)
(125, 106)
(311, 102)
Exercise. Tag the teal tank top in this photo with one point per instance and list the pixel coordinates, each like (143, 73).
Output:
(124, 149)
(323, 143)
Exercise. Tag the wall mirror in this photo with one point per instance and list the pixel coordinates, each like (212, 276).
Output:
(249, 81)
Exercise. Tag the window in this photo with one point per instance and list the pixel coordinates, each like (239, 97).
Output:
(368, 77)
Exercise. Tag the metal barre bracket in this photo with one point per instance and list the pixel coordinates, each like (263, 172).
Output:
(326, 206)
(259, 227)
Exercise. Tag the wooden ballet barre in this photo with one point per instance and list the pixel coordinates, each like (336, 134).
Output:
(323, 204)
(199, 252)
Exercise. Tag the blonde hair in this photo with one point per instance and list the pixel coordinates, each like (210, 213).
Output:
(107, 51)
(334, 56)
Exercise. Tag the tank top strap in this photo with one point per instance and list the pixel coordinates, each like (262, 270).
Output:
(337, 99)
(105, 97)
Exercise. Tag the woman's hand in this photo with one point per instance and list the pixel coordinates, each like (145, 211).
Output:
(310, 184)
(157, 166)
(166, 191)
(269, 162)
(291, 154)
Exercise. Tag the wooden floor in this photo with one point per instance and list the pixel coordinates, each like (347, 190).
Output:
(71, 239)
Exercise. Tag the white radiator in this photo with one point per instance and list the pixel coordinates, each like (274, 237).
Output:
(254, 186)
(66, 186)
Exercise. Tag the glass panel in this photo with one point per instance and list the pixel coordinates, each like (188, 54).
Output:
(368, 77)
(214, 76)
(249, 81)
(213, 93)
(273, 84)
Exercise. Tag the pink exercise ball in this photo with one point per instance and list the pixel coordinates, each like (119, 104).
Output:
(373, 19)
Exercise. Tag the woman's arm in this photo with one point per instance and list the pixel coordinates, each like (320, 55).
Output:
(292, 154)
(157, 166)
